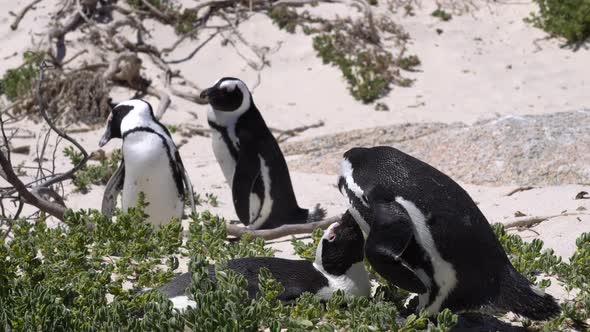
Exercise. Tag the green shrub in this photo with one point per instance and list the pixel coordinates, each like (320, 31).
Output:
(442, 14)
(92, 173)
(285, 17)
(18, 82)
(70, 278)
(58, 279)
(530, 259)
(566, 18)
(366, 69)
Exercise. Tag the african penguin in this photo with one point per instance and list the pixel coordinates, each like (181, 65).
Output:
(338, 265)
(251, 160)
(151, 163)
(425, 234)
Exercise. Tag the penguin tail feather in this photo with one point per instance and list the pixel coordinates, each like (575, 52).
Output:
(318, 213)
(522, 297)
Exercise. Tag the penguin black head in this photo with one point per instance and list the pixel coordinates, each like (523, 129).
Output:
(228, 95)
(125, 116)
(341, 246)
(363, 175)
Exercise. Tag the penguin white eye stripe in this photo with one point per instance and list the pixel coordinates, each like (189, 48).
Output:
(346, 172)
(229, 85)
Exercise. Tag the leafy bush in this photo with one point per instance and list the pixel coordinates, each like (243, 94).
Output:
(71, 277)
(442, 14)
(92, 173)
(61, 279)
(567, 18)
(530, 259)
(353, 47)
(19, 81)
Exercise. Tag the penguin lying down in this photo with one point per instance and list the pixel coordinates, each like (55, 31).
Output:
(338, 266)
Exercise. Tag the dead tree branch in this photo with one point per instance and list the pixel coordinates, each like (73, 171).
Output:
(43, 110)
(286, 134)
(285, 230)
(51, 208)
(533, 220)
(22, 13)
(519, 189)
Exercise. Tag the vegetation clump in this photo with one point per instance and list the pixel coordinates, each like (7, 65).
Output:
(93, 174)
(354, 46)
(368, 67)
(18, 82)
(71, 277)
(569, 19)
(442, 14)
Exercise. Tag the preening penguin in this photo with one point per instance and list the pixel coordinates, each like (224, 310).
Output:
(151, 164)
(426, 235)
(338, 266)
(251, 159)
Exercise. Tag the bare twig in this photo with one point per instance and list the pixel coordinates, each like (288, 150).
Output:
(519, 189)
(286, 134)
(42, 110)
(164, 100)
(532, 220)
(53, 209)
(285, 230)
(22, 13)
(156, 11)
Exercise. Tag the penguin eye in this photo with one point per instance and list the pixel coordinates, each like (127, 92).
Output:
(331, 237)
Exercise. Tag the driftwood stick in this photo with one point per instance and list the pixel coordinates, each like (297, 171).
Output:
(532, 220)
(519, 189)
(285, 230)
(164, 100)
(155, 11)
(22, 13)
(286, 134)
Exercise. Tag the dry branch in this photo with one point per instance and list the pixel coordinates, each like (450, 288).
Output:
(286, 134)
(62, 134)
(22, 13)
(53, 209)
(285, 230)
(533, 220)
(519, 189)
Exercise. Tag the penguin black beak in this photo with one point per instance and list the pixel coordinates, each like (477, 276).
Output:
(205, 93)
(106, 137)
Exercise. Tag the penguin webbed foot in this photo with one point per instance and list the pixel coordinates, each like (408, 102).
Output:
(318, 213)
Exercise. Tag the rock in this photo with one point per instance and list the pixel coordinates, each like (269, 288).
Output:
(548, 149)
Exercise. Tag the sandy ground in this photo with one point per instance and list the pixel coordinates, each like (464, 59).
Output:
(485, 62)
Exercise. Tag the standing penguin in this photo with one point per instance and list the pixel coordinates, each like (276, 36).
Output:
(338, 266)
(151, 164)
(251, 160)
(426, 235)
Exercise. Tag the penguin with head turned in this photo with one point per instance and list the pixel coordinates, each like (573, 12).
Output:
(151, 164)
(338, 266)
(251, 159)
(425, 234)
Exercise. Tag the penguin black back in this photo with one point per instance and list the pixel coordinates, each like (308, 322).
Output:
(339, 257)
(423, 218)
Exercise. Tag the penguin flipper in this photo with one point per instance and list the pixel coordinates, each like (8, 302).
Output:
(245, 176)
(389, 237)
(112, 190)
(188, 186)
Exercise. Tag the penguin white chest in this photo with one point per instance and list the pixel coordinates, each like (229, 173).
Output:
(223, 155)
(148, 170)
